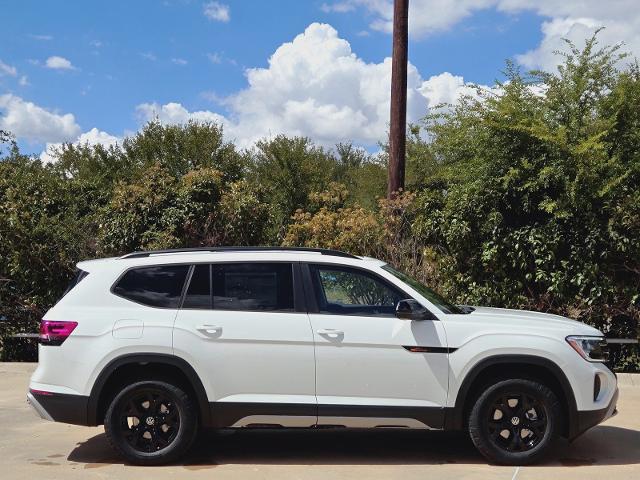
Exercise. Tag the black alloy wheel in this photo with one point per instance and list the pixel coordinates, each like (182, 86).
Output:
(151, 423)
(514, 421)
(149, 420)
(517, 422)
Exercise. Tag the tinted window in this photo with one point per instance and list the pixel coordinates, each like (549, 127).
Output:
(256, 286)
(346, 291)
(432, 296)
(199, 291)
(78, 275)
(159, 286)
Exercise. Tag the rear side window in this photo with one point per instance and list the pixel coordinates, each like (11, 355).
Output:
(253, 286)
(199, 291)
(78, 275)
(159, 286)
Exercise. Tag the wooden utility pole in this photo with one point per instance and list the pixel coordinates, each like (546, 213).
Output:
(398, 123)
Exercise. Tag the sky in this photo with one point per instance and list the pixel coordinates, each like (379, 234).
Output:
(95, 72)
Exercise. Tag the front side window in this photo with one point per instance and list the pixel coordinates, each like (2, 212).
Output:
(347, 291)
(158, 286)
(253, 286)
(438, 300)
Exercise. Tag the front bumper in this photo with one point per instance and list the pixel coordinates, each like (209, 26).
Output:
(59, 407)
(586, 419)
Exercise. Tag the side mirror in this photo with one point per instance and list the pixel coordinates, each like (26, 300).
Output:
(410, 309)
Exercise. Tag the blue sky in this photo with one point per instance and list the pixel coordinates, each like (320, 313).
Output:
(95, 71)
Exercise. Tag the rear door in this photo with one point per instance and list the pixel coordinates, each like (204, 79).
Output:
(245, 329)
(373, 369)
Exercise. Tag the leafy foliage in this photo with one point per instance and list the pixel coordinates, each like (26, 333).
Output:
(534, 219)
(524, 196)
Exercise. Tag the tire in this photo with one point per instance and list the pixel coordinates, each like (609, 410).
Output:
(514, 422)
(151, 423)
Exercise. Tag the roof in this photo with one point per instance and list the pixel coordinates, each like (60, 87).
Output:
(321, 251)
(226, 254)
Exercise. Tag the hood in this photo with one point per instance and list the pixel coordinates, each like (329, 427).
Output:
(526, 318)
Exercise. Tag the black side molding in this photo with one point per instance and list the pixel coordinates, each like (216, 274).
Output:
(226, 414)
(432, 417)
(417, 349)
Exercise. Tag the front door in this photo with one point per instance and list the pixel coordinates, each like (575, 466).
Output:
(245, 330)
(366, 372)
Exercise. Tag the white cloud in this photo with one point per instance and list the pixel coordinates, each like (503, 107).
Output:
(217, 11)
(576, 30)
(573, 19)
(179, 61)
(425, 16)
(214, 57)
(339, 7)
(316, 86)
(7, 69)
(28, 121)
(174, 113)
(24, 81)
(59, 63)
(149, 56)
(92, 137)
(44, 38)
(448, 89)
(213, 97)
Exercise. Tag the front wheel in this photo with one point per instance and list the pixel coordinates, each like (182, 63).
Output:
(151, 423)
(514, 422)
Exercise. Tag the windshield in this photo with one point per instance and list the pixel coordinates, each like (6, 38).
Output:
(425, 291)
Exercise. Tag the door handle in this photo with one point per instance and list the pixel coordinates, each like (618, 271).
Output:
(210, 330)
(330, 332)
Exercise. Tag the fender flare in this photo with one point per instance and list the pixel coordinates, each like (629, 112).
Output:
(141, 359)
(455, 415)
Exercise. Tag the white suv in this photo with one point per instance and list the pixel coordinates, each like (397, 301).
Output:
(156, 345)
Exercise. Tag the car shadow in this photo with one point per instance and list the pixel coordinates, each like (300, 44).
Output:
(603, 445)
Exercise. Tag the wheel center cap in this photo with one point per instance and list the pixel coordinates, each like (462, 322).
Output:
(515, 420)
(150, 421)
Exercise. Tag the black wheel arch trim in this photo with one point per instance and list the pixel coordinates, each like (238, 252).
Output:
(455, 416)
(141, 359)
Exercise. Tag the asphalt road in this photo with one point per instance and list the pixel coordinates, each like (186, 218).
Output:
(33, 448)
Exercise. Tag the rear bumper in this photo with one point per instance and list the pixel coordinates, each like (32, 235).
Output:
(59, 407)
(586, 419)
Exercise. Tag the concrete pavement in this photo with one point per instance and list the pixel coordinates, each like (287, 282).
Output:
(33, 448)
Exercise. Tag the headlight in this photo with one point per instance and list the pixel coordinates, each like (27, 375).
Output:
(592, 349)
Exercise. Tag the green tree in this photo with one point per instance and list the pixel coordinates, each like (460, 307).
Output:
(536, 203)
(289, 169)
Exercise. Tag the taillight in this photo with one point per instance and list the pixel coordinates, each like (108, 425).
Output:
(54, 332)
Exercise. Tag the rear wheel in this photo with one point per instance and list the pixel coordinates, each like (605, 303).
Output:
(515, 421)
(151, 423)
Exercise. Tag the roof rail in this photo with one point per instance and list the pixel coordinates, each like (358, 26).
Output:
(322, 251)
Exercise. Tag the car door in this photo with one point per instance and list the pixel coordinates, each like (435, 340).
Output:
(372, 368)
(245, 327)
